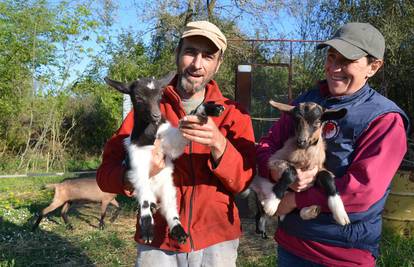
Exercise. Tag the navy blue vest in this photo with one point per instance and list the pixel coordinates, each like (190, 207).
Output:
(364, 232)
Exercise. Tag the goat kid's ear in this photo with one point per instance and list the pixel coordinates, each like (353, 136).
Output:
(333, 114)
(164, 81)
(121, 87)
(281, 106)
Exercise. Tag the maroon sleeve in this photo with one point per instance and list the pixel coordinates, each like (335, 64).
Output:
(273, 141)
(111, 171)
(378, 155)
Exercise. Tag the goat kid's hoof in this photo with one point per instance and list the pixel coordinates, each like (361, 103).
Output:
(311, 212)
(342, 219)
(270, 206)
(178, 233)
(69, 226)
(147, 229)
(338, 210)
(101, 226)
(262, 234)
(153, 208)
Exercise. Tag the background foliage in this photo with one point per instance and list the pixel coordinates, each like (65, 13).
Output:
(53, 116)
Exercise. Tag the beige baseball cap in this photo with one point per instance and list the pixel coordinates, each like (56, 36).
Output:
(208, 30)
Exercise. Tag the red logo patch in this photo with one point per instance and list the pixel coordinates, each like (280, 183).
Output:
(330, 130)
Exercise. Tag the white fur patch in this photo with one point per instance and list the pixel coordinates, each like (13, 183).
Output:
(270, 205)
(172, 141)
(127, 142)
(338, 210)
(201, 110)
(151, 85)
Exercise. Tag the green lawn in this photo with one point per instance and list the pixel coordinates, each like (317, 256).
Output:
(53, 245)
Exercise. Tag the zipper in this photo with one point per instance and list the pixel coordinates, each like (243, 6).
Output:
(191, 196)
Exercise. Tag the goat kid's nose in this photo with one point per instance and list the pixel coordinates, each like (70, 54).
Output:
(301, 143)
(156, 117)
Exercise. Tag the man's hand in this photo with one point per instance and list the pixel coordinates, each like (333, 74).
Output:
(305, 179)
(128, 188)
(207, 134)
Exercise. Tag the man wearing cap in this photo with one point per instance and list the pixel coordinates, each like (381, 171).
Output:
(364, 151)
(218, 163)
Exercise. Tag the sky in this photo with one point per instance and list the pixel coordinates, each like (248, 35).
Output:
(126, 17)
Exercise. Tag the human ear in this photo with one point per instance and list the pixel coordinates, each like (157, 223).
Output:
(218, 65)
(374, 67)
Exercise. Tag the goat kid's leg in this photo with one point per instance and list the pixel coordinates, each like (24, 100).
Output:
(168, 206)
(287, 178)
(138, 175)
(104, 207)
(261, 219)
(54, 205)
(64, 212)
(117, 211)
(326, 180)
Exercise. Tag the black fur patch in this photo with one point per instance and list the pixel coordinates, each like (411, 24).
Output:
(212, 109)
(178, 233)
(326, 180)
(145, 205)
(288, 177)
(147, 229)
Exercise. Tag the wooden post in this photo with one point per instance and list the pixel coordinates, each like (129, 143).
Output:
(243, 90)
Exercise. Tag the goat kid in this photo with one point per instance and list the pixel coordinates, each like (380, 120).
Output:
(149, 125)
(305, 151)
(78, 189)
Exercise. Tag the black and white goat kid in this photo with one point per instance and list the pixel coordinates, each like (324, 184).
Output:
(149, 125)
(305, 151)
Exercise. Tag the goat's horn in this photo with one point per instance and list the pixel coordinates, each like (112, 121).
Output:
(281, 106)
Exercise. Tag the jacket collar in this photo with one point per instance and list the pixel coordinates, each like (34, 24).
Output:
(335, 100)
(212, 93)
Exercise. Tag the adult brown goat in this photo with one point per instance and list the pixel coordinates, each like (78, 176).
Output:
(305, 151)
(78, 189)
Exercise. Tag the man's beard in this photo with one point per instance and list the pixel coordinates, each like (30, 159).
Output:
(188, 87)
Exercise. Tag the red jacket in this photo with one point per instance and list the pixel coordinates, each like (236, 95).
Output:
(204, 193)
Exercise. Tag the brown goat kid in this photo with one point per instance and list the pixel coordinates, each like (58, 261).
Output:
(305, 151)
(74, 190)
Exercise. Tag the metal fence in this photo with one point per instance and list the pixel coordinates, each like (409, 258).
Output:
(276, 66)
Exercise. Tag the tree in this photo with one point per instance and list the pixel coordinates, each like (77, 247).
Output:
(392, 18)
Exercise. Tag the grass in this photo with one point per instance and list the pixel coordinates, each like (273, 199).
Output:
(53, 245)
(9, 164)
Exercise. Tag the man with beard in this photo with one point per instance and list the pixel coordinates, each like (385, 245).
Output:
(218, 163)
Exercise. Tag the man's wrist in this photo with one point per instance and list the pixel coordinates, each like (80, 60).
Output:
(217, 151)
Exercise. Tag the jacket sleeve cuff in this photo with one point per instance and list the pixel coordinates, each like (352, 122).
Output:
(221, 169)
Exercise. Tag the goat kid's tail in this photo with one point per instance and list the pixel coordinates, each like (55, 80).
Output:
(49, 186)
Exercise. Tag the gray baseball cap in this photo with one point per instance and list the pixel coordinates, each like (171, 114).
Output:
(355, 40)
